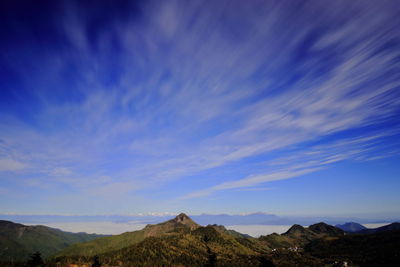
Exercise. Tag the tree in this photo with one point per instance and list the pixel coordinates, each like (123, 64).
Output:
(212, 258)
(36, 260)
(96, 262)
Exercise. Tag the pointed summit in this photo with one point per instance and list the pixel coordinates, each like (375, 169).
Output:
(181, 218)
(296, 230)
(182, 221)
(185, 220)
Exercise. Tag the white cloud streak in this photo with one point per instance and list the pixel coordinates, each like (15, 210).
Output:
(203, 86)
(304, 161)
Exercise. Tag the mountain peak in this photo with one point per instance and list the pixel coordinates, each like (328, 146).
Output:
(176, 224)
(323, 228)
(295, 229)
(185, 220)
(181, 218)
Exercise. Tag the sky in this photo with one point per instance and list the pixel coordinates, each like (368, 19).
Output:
(128, 107)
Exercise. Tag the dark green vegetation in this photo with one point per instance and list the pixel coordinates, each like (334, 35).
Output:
(35, 260)
(298, 236)
(18, 241)
(204, 246)
(182, 242)
(377, 249)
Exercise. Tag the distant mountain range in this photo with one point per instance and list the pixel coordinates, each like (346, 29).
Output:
(351, 227)
(180, 241)
(389, 227)
(18, 241)
(356, 228)
(258, 218)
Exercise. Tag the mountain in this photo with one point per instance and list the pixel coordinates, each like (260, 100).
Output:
(230, 232)
(325, 229)
(180, 223)
(296, 230)
(18, 241)
(204, 246)
(182, 242)
(351, 227)
(177, 242)
(390, 227)
(298, 235)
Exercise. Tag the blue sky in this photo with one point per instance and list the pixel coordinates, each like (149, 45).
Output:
(125, 107)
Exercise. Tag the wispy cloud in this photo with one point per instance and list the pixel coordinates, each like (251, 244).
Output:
(179, 88)
(251, 180)
(7, 164)
(298, 162)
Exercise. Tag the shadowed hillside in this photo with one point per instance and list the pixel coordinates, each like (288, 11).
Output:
(375, 249)
(298, 235)
(18, 241)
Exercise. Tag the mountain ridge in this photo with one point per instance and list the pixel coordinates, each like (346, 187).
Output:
(390, 227)
(175, 242)
(351, 227)
(180, 241)
(256, 218)
(18, 241)
(181, 223)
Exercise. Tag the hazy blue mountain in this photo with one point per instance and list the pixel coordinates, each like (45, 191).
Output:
(247, 219)
(351, 227)
(390, 227)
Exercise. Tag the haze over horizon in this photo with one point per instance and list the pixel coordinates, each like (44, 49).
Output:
(129, 107)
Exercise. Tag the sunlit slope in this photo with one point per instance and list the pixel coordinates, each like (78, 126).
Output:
(101, 245)
(176, 244)
(204, 246)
